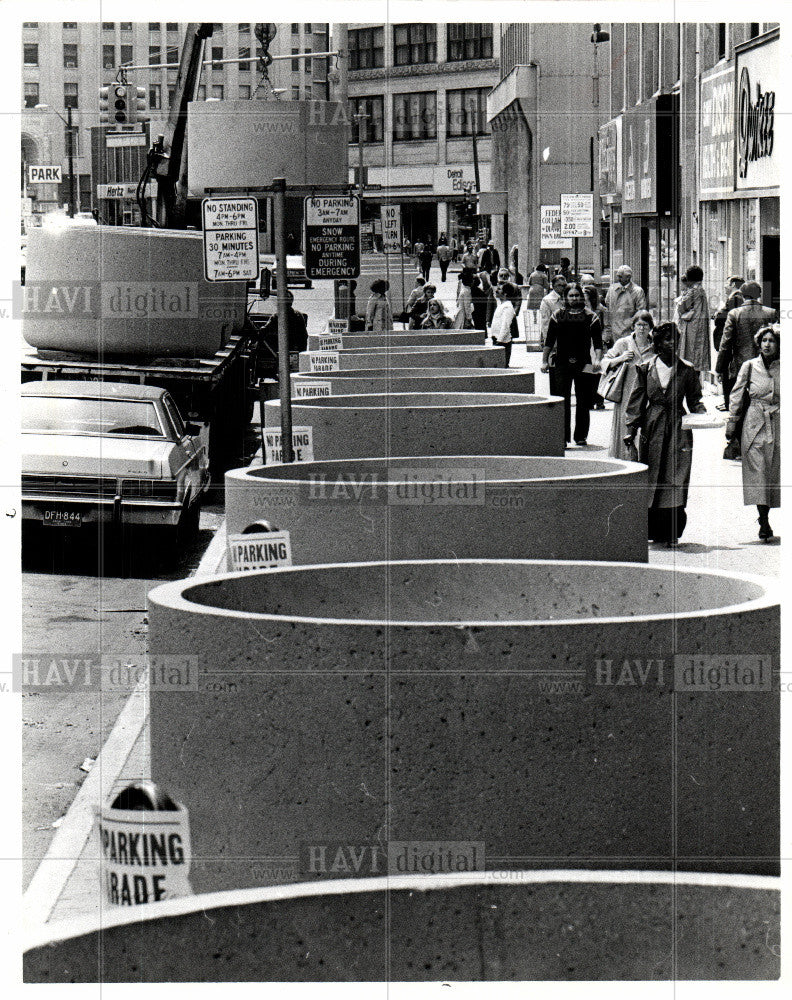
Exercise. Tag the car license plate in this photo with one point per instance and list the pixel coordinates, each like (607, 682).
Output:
(63, 518)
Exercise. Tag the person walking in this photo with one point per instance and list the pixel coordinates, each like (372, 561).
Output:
(565, 270)
(737, 343)
(756, 398)
(463, 320)
(593, 303)
(693, 320)
(379, 316)
(444, 255)
(425, 261)
(574, 331)
(732, 300)
(487, 302)
(436, 317)
(501, 328)
(420, 307)
(550, 304)
(538, 287)
(634, 349)
(656, 407)
(489, 258)
(515, 297)
(470, 260)
(622, 301)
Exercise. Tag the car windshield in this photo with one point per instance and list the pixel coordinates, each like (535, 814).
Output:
(71, 415)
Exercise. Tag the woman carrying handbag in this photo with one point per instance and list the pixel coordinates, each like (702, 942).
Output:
(618, 379)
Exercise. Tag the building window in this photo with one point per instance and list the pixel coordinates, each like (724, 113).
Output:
(295, 63)
(31, 95)
(172, 54)
(217, 56)
(366, 48)
(171, 25)
(307, 28)
(126, 54)
(374, 126)
(295, 29)
(244, 29)
(69, 25)
(244, 91)
(154, 55)
(755, 29)
(30, 54)
(154, 25)
(414, 116)
(70, 95)
(70, 56)
(650, 51)
(414, 43)
(155, 96)
(126, 25)
(217, 91)
(721, 41)
(30, 24)
(466, 112)
(108, 56)
(107, 25)
(469, 41)
(295, 93)
(244, 53)
(307, 92)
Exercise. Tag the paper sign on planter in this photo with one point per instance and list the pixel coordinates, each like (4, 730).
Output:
(146, 854)
(267, 550)
(302, 444)
(324, 361)
(337, 326)
(310, 390)
(330, 341)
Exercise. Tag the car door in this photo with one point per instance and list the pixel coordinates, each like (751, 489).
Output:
(197, 462)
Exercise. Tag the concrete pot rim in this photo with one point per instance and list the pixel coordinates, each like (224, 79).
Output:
(612, 467)
(171, 595)
(391, 373)
(412, 349)
(462, 400)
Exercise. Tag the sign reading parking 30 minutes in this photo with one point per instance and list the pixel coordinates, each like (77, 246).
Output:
(332, 237)
(230, 228)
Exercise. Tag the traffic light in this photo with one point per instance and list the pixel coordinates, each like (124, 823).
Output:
(104, 105)
(137, 104)
(119, 111)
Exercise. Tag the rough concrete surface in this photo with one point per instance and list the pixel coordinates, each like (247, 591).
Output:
(402, 338)
(413, 357)
(422, 380)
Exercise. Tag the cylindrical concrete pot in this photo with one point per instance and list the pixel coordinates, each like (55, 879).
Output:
(375, 380)
(440, 507)
(406, 357)
(462, 423)
(471, 927)
(561, 713)
(403, 338)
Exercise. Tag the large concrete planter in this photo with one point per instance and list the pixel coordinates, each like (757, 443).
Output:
(402, 338)
(463, 423)
(400, 929)
(561, 713)
(375, 380)
(412, 508)
(410, 357)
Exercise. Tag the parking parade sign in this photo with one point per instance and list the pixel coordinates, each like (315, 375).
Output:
(332, 237)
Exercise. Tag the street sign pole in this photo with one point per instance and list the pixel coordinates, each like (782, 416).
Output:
(575, 272)
(284, 374)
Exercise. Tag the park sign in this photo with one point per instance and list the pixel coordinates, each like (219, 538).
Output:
(332, 236)
(577, 216)
(44, 174)
(230, 231)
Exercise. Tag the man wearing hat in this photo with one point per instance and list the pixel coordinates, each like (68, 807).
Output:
(737, 343)
(622, 301)
(489, 258)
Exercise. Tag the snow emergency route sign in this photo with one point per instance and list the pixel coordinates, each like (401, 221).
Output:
(332, 237)
(230, 231)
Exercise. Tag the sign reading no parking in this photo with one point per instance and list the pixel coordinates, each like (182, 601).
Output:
(332, 237)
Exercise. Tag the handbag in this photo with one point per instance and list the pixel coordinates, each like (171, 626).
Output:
(733, 447)
(611, 383)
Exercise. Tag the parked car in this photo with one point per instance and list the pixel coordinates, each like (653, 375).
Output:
(110, 453)
(295, 269)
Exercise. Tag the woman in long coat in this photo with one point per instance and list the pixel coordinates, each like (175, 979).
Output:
(694, 321)
(379, 316)
(656, 407)
(761, 434)
(632, 350)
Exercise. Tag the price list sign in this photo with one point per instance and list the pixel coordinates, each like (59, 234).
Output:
(230, 229)
(332, 237)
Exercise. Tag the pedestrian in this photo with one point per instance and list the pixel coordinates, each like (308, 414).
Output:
(515, 297)
(487, 303)
(550, 304)
(737, 343)
(454, 249)
(379, 316)
(420, 307)
(755, 399)
(732, 300)
(406, 246)
(592, 298)
(470, 259)
(655, 407)
(425, 261)
(573, 332)
(444, 255)
(514, 265)
(634, 349)
(296, 326)
(565, 270)
(436, 317)
(463, 320)
(501, 327)
(693, 320)
(488, 258)
(622, 301)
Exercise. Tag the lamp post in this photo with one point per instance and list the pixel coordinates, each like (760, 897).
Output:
(70, 148)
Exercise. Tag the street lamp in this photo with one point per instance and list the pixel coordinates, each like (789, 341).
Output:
(70, 151)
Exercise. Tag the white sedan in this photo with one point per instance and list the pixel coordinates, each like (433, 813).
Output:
(109, 453)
